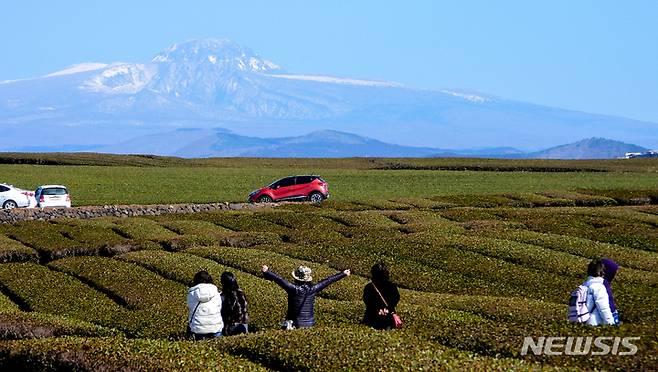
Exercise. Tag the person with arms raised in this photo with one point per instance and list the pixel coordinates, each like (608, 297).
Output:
(301, 294)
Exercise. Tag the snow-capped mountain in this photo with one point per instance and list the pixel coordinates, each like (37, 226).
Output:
(217, 83)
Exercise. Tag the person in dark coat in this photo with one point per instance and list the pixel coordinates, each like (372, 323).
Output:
(301, 293)
(610, 267)
(379, 313)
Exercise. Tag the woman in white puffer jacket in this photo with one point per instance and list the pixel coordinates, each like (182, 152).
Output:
(598, 303)
(205, 307)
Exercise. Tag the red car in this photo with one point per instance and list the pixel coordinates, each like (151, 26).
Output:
(311, 188)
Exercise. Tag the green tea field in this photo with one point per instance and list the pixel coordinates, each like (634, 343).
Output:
(484, 257)
(114, 179)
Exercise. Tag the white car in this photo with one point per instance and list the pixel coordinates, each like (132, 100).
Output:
(12, 197)
(30, 197)
(52, 196)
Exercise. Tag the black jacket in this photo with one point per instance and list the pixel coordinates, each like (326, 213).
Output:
(374, 303)
(301, 297)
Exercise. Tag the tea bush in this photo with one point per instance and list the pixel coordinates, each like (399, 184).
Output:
(158, 303)
(22, 325)
(137, 228)
(46, 238)
(14, 251)
(7, 305)
(43, 290)
(117, 354)
(350, 348)
(191, 227)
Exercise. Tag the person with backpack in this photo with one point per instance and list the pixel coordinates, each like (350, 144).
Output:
(381, 297)
(234, 306)
(301, 294)
(589, 303)
(610, 267)
(205, 308)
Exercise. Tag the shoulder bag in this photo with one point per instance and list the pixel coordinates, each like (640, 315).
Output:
(397, 321)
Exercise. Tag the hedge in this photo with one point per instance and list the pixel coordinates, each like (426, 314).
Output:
(118, 354)
(158, 304)
(14, 251)
(43, 290)
(22, 325)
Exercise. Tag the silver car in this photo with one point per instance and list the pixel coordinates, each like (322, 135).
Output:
(12, 197)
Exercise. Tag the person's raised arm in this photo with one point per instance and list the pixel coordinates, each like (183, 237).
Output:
(269, 275)
(332, 279)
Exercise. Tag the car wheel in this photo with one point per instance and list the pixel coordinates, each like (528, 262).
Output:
(315, 197)
(265, 199)
(9, 204)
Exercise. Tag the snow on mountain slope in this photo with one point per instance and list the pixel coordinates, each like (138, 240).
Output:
(121, 79)
(80, 67)
(335, 80)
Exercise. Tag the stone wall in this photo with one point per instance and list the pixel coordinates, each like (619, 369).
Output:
(22, 214)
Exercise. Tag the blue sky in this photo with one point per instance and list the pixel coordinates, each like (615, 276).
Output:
(591, 55)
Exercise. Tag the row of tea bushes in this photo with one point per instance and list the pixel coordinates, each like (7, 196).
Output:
(24, 325)
(47, 239)
(40, 289)
(572, 222)
(118, 354)
(628, 257)
(157, 303)
(15, 251)
(627, 197)
(354, 348)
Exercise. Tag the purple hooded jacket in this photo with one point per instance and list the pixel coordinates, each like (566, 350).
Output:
(611, 268)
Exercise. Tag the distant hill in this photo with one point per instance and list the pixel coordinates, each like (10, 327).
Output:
(590, 148)
(202, 143)
(218, 142)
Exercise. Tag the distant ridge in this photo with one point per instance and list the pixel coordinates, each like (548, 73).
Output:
(590, 148)
(218, 142)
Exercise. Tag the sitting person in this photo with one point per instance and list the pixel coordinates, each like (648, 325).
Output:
(610, 267)
(598, 302)
(205, 306)
(234, 306)
(301, 294)
(381, 297)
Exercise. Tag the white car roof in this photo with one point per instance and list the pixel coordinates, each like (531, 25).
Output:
(51, 186)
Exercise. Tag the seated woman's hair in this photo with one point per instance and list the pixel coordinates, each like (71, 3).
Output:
(202, 277)
(596, 268)
(379, 273)
(229, 282)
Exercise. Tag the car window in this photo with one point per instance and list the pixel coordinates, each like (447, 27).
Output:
(55, 191)
(4, 188)
(288, 181)
(303, 180)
